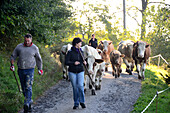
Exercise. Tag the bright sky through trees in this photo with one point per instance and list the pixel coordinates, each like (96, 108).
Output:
(116, 7)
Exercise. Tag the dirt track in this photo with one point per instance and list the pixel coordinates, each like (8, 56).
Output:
(116, 96)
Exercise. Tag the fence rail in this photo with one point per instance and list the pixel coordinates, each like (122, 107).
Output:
(159, 56)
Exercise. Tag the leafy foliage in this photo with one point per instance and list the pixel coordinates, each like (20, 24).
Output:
(44, 19)
(159, 34)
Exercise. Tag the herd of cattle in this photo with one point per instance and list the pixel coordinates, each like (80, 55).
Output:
(129, 52)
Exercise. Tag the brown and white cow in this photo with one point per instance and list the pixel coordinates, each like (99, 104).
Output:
(93, 66)
(63, 51)
(106, 46)
(141, 52)
(116, 61)
(126, 48)
(93, 60)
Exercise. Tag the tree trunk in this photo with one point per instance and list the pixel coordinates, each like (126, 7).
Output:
(144, 5)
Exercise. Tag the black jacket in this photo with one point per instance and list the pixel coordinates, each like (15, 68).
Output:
(72, 56)
(93, 43)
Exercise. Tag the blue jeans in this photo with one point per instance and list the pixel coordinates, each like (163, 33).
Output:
(26, 79)
(77, 81)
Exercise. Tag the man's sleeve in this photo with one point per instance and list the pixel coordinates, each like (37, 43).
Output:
(38, 59)
(14, 54)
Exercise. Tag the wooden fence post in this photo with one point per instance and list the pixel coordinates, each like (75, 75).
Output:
(158, 60)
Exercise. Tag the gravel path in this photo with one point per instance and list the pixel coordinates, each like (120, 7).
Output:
(116, 96)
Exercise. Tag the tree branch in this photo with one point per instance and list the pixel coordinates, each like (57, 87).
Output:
(134, 18)
(160, 3)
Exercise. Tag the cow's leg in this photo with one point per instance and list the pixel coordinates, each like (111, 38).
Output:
(90, 83)
(116, 71)
(93, 86)
(143, 71)
(106, 68)
(132, 65)
(85, 82)
(100, 81)
(97, 82)
(119, 70)
(138, 71)
(64, 71)
(127, 66)
(67, 78)
(113, 70)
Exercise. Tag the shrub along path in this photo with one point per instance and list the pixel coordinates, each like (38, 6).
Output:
(116, 96)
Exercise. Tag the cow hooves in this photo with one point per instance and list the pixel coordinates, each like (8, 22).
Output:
(115, 75)
(130, 73)
(90, 86)
(139, 77)
(93, 92)
(64, 77)
(99, 87)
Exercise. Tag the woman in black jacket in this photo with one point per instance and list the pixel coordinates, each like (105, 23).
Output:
(76, 72)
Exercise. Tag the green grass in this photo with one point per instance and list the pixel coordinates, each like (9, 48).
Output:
(153, 82)
(11, 101)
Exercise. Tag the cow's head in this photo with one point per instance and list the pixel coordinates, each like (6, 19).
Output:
(116, 57)
(92, 62)
(140, 46)
(105, 45)
(85, 50)
(102, 67)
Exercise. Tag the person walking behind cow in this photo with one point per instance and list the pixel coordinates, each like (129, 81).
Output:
(29, 57)
(76, 72)
(93, 42)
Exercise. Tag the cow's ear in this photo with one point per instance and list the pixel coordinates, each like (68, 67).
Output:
(147, 45)
(122, 55)
(99, 60)
(101, 42)
(110, 42)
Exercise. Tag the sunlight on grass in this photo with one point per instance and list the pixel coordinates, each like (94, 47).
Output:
(153, 82)
(157, 71)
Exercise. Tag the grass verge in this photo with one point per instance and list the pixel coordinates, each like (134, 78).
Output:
(153, 82)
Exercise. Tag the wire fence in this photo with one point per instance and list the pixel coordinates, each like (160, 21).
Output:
(157, 93)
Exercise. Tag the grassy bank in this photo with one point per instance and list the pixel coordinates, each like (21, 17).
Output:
(11, 101)
(153, 82)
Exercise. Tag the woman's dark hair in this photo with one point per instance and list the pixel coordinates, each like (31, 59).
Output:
(76, 41)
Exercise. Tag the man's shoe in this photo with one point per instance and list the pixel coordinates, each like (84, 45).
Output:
(75, 107)
(83, 105)
(25, 109)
